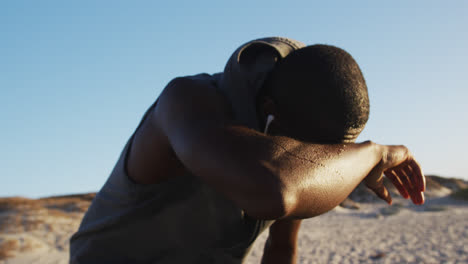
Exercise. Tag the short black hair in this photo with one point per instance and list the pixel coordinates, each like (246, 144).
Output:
(323, 81)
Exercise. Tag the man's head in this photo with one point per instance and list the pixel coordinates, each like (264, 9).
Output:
(317, 94)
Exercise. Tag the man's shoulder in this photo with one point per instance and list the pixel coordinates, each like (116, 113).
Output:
(199, 79)
(197, 91)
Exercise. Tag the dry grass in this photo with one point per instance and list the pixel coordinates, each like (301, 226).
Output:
(18, 214)
(7, 247)
(15, 222)
(18, 203)
(68, 203)
(31, 221)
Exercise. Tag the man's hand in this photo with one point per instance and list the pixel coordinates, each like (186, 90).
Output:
(399, 165)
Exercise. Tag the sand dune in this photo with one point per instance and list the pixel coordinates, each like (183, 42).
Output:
(363, 230)
(37, 231)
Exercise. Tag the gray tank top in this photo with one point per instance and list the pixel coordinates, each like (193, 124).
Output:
(181, 220)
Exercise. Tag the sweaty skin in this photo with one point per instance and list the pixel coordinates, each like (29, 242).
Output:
(269, 177)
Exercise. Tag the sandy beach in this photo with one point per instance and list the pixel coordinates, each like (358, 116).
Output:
(434, 233)
(37, 231)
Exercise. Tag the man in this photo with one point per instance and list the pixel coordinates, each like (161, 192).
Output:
(218, 159)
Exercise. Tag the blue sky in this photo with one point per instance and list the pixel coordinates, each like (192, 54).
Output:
(76, 76)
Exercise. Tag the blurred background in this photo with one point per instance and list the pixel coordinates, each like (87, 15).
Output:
(76, 77)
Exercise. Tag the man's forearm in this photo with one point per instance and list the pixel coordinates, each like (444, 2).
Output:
(316, 178)
(274, 177)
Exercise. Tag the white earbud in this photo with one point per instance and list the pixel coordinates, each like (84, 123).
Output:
(270, 119)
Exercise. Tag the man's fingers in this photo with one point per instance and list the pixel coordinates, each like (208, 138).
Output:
(419, 179)
(408, 178)
(418, 175)
(421, 198)
(414, 179)
(383, 193)
(408, 184)
(397, 183)
(409, 175)
(404, 179)
(416, 196)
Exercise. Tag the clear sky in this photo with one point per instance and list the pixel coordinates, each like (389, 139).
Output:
(76, 76)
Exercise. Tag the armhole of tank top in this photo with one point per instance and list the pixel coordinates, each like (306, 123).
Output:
(134, 185)
(136, 188)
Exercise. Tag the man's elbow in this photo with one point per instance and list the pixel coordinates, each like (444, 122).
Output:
(275, 203)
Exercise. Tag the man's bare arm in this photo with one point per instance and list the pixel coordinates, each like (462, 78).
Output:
(269, 177)
(281, 245)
